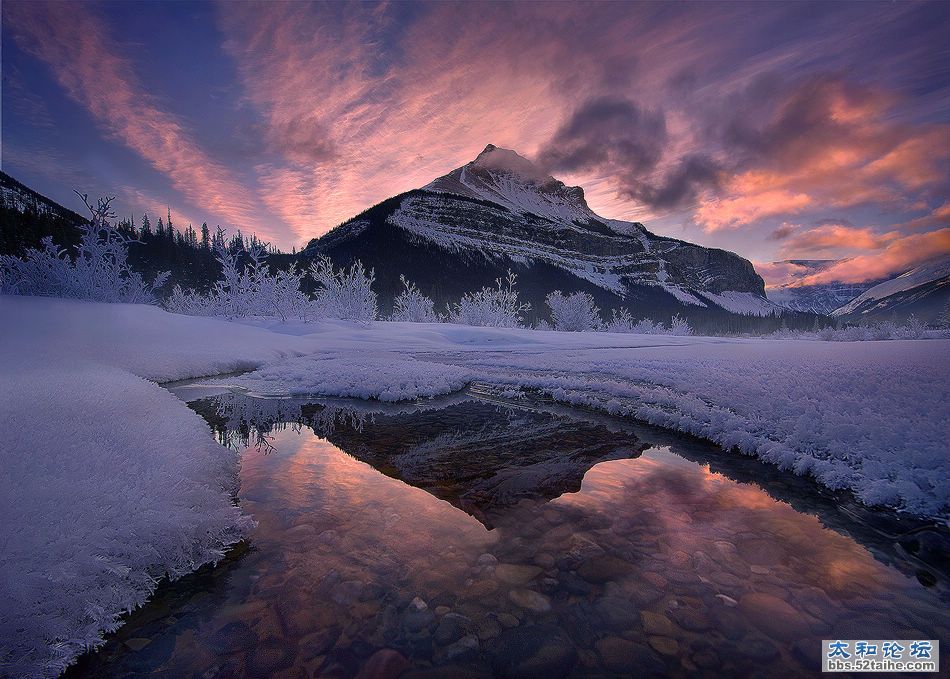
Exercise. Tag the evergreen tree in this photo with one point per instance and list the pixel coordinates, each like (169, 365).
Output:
(205, 236)
(146, 232)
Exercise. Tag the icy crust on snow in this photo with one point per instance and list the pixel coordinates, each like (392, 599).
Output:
(336, 375)
(109, 482)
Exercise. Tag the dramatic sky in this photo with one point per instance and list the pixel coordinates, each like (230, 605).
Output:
(775, 130)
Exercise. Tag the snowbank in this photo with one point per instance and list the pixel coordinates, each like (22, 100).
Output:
(109, 482)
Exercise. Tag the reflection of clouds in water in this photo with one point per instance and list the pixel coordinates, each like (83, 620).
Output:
(381, 527)
(694, 509)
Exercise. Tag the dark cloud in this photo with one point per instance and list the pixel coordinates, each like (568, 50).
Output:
(776, 122)
(617, 137)
(679, 185)
(782, 232)
(607, 132)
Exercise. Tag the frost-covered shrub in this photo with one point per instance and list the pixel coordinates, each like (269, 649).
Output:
(245, 290)
(885, 330)
(620, 321)
(346, 294)
(679, 326)
(99, 271)
(495, 307)
(573, 313)
(412, 306)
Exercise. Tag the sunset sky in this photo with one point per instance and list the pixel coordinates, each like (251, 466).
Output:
(774, 130)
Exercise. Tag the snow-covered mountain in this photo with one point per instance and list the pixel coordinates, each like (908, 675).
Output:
(923, 291)
(822, 298)
(21, 198)
(500, 212)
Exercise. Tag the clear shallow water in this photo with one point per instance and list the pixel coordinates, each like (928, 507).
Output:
(484, 539)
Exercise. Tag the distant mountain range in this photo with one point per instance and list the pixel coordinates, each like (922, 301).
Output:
(924, 291)
(465, 229)
(821, 298)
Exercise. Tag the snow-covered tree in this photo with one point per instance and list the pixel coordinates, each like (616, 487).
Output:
(496, 307)
(245, 289)
(679, 326)
(621, 320)
(345, 294)
(98, 271)
(412, 306)
(573, 313)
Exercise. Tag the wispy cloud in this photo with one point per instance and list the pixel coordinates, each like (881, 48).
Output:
(76, 44)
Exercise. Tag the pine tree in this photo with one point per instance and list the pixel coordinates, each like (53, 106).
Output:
(160, 228)
(205, 236)
(146, 231)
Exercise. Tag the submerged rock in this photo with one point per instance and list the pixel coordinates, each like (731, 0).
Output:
(535, 652)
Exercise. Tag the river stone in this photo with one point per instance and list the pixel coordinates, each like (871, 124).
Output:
(729, 622)
(516, 574)
(318, 643)
(664, 645)
(347, 593)
(534, 652)
(271, 655)
(628, 658)
(463, 650)
(656, 623)
(691, 619)
(604, 568)
(759, 649)
(619, 614)
(452, 627)
(507, 620)
(772, 615)
(417, 615)
(138, 643)
(488, 628)
(233, 637)
(487, 559)
(385, 663)
(530, 600)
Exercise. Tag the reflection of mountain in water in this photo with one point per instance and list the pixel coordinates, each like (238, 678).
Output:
(483, 458)
(479, 456)
(486, 457)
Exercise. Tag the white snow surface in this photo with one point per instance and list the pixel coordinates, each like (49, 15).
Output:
(110, 482)
(920, 275)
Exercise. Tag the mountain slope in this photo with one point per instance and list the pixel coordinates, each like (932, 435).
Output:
(923, 291)
(822, 298)
(500, 212)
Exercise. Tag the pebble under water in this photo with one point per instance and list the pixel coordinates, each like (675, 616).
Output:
(472, 537)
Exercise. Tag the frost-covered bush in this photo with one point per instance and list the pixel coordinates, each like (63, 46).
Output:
(98, 271)
(622, 321)
(412, 306)
(885, 330)
(573, 313)
(679, 326)
(345, 294)
(495, 307)
(245, 290)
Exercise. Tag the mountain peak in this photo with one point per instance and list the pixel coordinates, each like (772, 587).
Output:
(506, 160)
(503, 176)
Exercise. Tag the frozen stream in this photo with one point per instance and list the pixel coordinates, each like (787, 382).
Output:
(472, 537)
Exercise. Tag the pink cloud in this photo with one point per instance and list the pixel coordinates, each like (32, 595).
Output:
(75, 45)
(899, 255)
